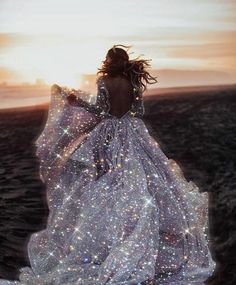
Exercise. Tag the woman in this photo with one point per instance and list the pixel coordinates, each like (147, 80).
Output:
(121, 212)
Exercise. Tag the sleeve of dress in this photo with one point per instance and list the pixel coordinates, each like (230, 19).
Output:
(66, 128)
(138, 105)
(100, 107)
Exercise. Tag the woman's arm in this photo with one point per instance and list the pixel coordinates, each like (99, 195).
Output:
(73, 99)
(77, 101)
(70, 96)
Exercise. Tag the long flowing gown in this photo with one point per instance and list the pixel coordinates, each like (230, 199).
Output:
(121, 212)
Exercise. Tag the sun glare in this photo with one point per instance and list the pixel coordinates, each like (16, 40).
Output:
(57, 41)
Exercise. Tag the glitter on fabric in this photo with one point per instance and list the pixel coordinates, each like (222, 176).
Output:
(121, 212)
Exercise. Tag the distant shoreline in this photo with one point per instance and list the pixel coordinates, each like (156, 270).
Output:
(168, 90)
(149, 95)
(24, 108)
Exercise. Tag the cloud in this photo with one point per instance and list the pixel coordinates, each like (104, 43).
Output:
(180, 34)
(217, 47)
(217, 44)
(7, 74)
(201, 51)
(8, 40)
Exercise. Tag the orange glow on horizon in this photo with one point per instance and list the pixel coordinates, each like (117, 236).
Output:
(57, 41)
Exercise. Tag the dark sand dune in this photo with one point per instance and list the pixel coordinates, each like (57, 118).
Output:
(195, 129)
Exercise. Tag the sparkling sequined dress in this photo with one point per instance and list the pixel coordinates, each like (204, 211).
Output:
(121, 212)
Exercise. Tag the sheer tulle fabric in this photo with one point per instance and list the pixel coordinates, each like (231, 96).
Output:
(121, 212)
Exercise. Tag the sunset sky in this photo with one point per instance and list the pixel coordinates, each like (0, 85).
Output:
(57, 40)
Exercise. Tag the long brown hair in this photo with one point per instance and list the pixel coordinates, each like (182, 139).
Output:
(120, 64)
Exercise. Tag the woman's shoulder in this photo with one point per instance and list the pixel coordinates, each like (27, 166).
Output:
(100, 78)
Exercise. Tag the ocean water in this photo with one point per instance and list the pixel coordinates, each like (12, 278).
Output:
(32, 95)
(19, 96)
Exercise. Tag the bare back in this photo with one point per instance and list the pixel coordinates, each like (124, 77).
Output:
(120, 95)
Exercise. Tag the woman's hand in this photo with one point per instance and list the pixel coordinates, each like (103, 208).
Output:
(71, 98)
(55, 88)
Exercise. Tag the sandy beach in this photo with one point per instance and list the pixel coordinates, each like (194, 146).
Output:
(197, 129)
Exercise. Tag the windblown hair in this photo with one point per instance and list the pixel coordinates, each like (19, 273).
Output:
(120, 64)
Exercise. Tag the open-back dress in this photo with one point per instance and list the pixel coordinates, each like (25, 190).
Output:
(121, 211)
